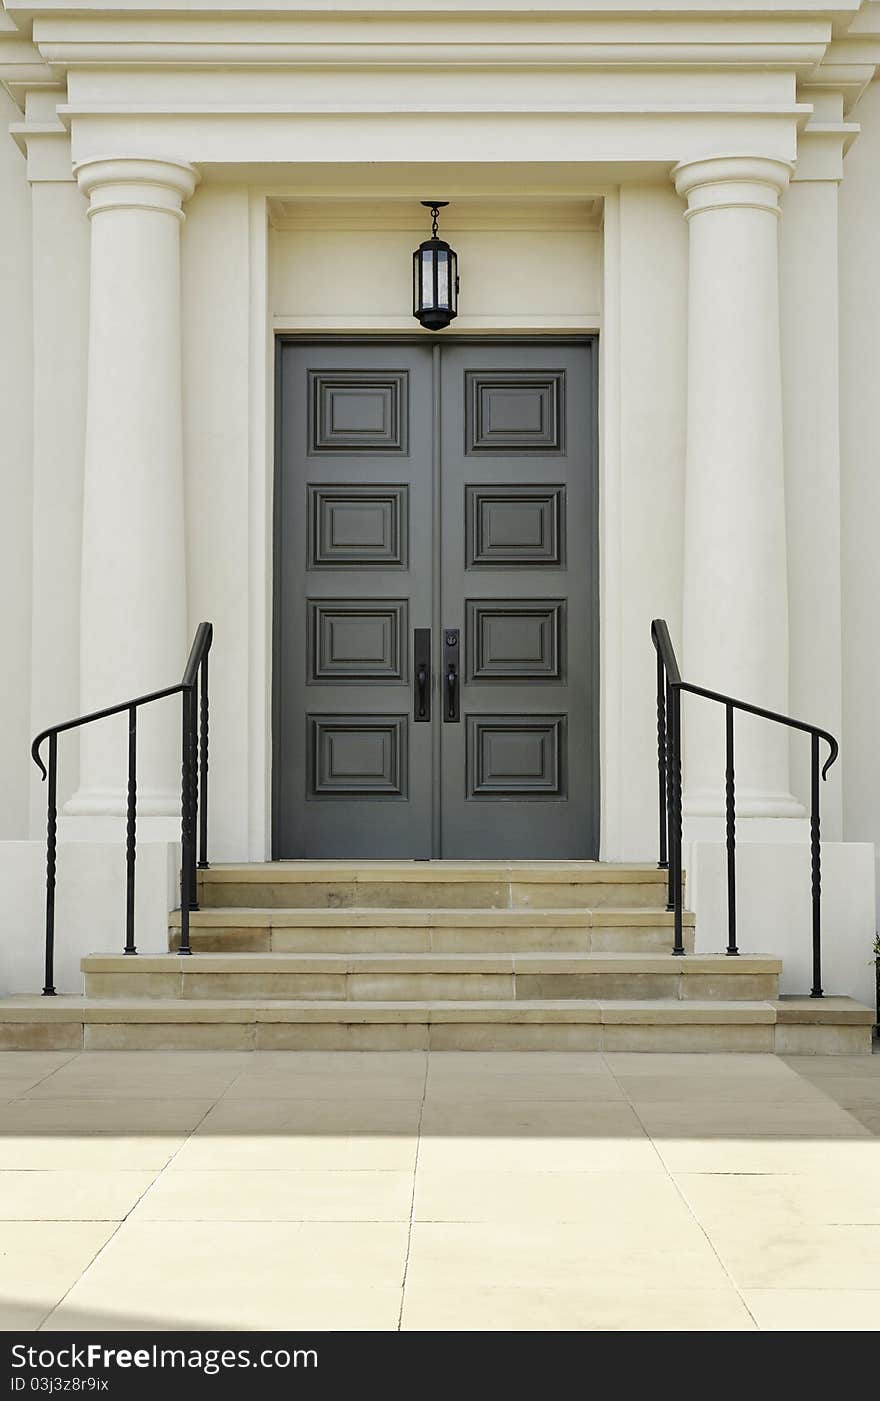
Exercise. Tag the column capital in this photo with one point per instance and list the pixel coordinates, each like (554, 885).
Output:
(732, 182)
(136, 182)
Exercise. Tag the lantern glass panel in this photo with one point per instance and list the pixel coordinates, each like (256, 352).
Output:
(427, 296)
(442, 278)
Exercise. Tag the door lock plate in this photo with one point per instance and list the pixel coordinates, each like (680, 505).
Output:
(422, 675)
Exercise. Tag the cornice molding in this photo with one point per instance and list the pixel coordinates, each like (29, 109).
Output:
(830, 44)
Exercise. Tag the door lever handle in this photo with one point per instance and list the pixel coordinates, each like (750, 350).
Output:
(451, 689)
(451, 647)
(422, 670)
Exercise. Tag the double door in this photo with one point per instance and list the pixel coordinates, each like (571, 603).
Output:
(436, 601)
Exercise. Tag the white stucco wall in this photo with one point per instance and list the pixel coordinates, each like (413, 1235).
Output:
(808, 287)
(16, 408)
(860, 472)
(648, 532)
(216, 417)
(60, 359)
(323, 274)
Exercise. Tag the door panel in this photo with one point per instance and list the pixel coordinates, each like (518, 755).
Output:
(352, 771)
(377, 754)
(519, 492)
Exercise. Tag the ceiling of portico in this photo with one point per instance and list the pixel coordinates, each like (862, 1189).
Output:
(466, 213)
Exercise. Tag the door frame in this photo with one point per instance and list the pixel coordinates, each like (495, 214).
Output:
(282, 338)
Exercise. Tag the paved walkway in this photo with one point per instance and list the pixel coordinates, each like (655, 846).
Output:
(442, 1191)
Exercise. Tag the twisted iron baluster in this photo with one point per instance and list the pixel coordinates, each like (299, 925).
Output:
(730, 794)
(816, 867)
(203, 767)
(663, 862)
(675, 835)
(186, 833)
(131, 831)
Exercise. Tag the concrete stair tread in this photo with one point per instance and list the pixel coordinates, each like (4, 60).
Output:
(262, 917)
(365, 872)
(651, 1012)
(428, 962)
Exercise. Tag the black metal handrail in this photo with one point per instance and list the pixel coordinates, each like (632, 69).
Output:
(193, 803)
(669, 689)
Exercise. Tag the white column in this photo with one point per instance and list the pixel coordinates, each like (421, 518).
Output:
(735, 575)
(133, 601)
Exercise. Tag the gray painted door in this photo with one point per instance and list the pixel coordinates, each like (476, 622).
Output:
(448, 488)
(518, 572)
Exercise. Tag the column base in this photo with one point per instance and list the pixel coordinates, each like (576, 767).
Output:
(779, 830)
(711, 803)
(99, 815)
(108, 828)
(112, 802)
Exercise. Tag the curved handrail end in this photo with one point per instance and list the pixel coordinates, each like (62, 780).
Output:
(663, 645)
(834, 748)
(35, 754)
(200, 648)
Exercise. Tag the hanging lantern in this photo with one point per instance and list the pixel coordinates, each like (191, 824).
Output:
(435, 276)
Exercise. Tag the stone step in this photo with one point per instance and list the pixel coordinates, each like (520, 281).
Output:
(417, 977)
(785, 1026)
(378, 930)
(433, 884)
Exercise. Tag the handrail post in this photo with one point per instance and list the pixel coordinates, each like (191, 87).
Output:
(663, 861)
(193, 740)
(131, 831)
(730, 804)
(675, 821)
(51, 850)
(186, 832)
(670, 880)
(816, 867)
(203, 766)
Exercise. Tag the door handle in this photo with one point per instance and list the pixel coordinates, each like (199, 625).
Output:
(422, 669)
(451, 647)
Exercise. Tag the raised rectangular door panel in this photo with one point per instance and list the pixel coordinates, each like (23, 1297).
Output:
(358, 411)
(358, 526)
(516, 756)
(357, 640)
(515, 639)
(354, 756)
(514, 525)
(514, 411)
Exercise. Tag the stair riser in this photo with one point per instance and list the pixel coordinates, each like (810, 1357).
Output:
(405, 1036)
(393, 939)
(423, 987)
(409, 895)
